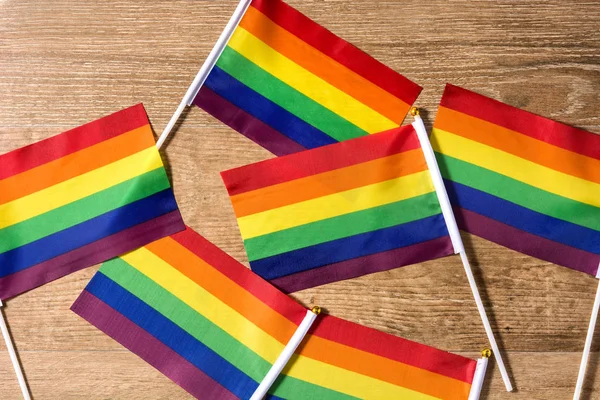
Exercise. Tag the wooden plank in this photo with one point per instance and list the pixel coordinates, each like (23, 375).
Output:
(65, 62)
(74, 375)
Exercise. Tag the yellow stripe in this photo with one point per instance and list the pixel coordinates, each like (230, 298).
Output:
(79, 187)
(204, 303)
(517, 168)
(334, 205)
(348, 382)
(308, 84)
(220, 314)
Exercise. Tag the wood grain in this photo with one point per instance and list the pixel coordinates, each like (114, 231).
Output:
(65, 62)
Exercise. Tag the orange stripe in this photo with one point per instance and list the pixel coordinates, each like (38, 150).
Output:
(518, 144)
(236, 297)
(382, 368)
(75, 164)
(326, 183)
(323, 66)
(282, 329)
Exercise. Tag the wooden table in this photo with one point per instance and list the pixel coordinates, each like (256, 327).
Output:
(66, 62)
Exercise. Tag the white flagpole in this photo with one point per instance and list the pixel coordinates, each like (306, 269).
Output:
(286, 354)
(588, 343)
(479, 376)
(13, 356)
(457, 242)
(207, 67)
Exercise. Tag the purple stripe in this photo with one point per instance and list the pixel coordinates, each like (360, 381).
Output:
(149, 348)
(527, 243)
(356, 267)
(91, 254)
(246, 124)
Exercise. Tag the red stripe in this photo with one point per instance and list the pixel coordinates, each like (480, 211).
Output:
(338, 49)
(393, 347)
(524, 122)
(319, 160)
(69, 142)
(241, 275)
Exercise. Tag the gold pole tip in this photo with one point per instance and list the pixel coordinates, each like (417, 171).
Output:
(316, 310)
(414, 111)
(486, 353)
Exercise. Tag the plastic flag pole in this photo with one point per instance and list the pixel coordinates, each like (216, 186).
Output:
(479, 376)
(286, 354)
(13, 355)
(588, 343)
(207, 67)
(457, 242)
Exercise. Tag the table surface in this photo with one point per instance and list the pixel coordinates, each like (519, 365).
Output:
(67, 62)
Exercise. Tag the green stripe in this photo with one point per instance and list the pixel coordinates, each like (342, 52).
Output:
(206, 332)
(519, 193)
(83, 210)
(287, 97)
(343, 226)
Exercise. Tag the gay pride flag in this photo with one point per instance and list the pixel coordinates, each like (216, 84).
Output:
(80, 198)
(521, 180)
(214, 328)
(339, 211)
(289, 84)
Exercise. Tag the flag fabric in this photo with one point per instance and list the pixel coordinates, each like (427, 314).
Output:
(80, 198)
(520, 180)
(340, 211)
(214, 327)
(289, 84)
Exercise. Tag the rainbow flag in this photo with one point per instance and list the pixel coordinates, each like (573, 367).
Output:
(215, 328)
(340, 211)
(520, 180)
(80, 198)
(289, 84)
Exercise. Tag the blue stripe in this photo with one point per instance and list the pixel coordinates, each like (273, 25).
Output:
(87, 232)
(265, 110)
(174, 337)
(351, 247)
(523, 218)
